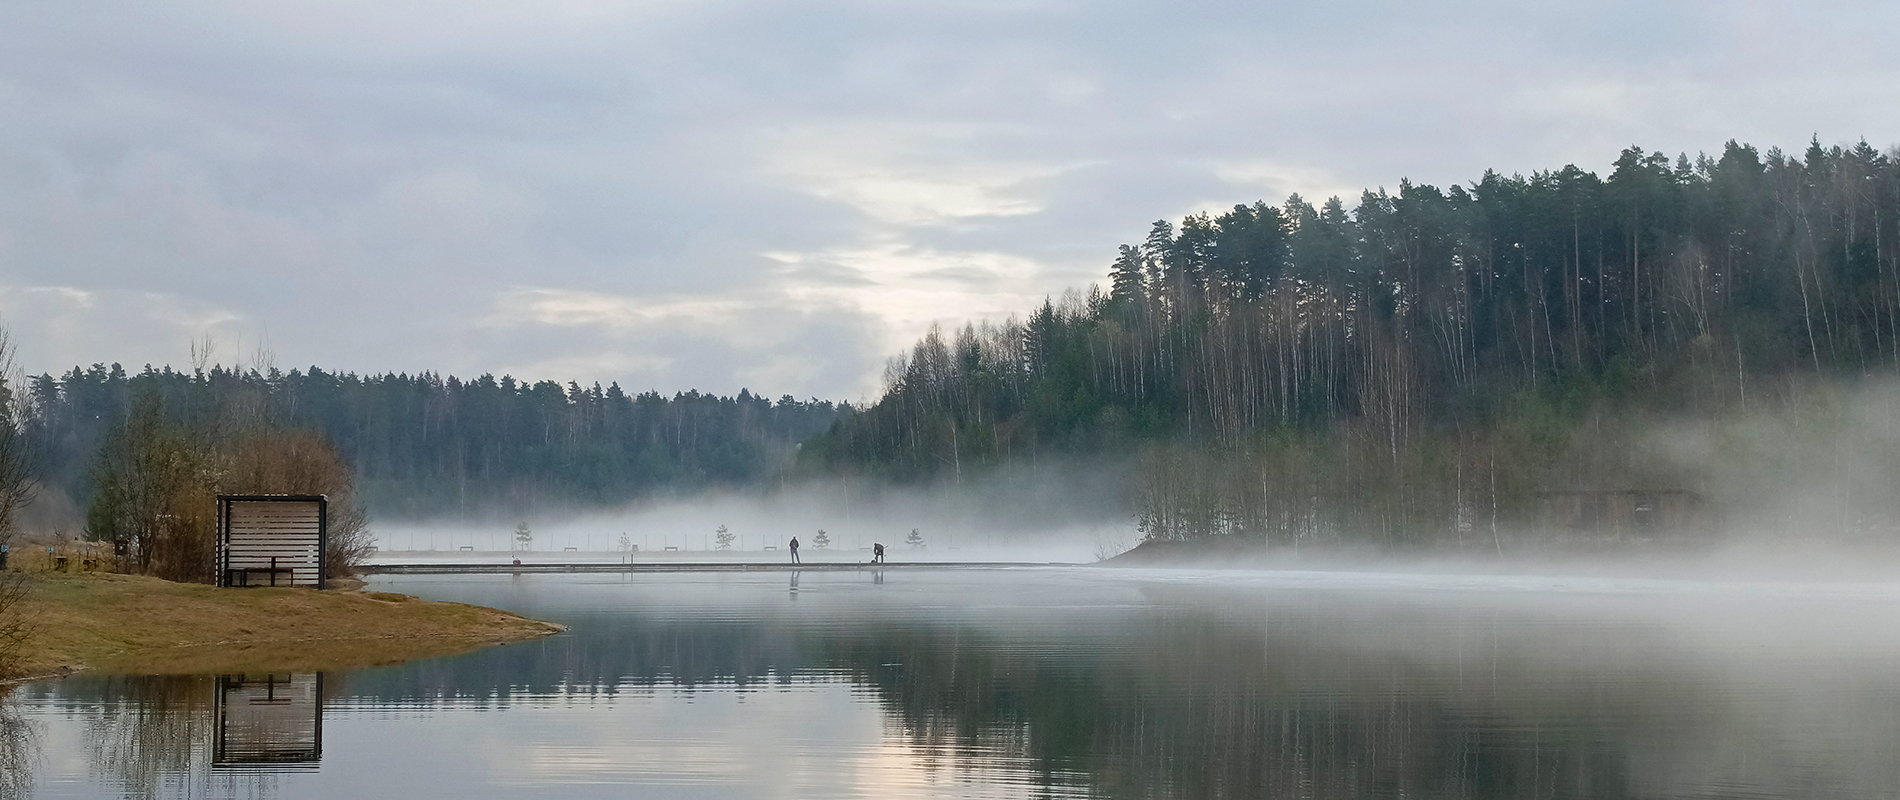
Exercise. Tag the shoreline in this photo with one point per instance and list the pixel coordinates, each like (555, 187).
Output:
(125, 624)
(1740, 558)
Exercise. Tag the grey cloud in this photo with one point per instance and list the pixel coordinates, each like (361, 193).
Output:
(364, 179)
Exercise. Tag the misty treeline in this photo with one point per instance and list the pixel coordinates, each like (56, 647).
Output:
(425, 444)
(1428, 365)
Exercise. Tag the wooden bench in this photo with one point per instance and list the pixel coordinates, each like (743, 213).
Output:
(241, 576)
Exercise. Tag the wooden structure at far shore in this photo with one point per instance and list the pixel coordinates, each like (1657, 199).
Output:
(272, 540)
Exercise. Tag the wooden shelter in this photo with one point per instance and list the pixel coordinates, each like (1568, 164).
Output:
(272, 540)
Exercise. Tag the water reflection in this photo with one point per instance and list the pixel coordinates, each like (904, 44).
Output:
(269, 721)
(1053, 684)
(19, 749)
(160, 735)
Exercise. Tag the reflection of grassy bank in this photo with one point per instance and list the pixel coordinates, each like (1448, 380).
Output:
(121, 623)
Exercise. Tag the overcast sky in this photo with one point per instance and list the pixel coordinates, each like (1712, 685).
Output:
(779, 195)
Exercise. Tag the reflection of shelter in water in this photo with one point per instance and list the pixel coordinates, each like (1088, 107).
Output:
(269, 720)
(1622, 512)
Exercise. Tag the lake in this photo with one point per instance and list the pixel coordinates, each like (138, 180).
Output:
(1056, 682)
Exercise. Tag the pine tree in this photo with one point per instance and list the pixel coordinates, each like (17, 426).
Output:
(822, 540)
(915, 539)
(722, 538)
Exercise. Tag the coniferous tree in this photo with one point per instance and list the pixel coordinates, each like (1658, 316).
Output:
(1423, 364)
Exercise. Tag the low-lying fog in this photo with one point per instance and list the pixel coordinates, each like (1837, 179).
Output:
(1805, 487)
(993, 521)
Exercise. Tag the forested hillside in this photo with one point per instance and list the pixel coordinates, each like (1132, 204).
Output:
(429, 445)
(1430, 364)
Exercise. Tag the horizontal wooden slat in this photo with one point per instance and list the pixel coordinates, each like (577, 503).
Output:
(286, 534)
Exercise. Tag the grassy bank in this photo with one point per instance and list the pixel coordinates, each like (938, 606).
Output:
(129, 624)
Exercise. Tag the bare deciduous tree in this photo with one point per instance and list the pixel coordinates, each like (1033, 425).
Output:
(16, 473)
(301, 462)
(16, 451)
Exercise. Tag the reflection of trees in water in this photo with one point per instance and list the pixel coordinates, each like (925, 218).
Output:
(1194, 695)
(1203, 709)
(146, 731)
(1175, 703)
(19, 749)
(151, 736)
(1252, 700)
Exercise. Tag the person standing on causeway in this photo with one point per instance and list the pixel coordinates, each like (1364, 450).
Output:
(795, 550)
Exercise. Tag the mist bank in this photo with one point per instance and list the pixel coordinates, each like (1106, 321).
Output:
(1056, 511)
(1692, 349)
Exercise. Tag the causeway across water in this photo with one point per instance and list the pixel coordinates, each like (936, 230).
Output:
(701, 566)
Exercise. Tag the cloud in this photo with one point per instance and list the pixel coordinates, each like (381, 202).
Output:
(911, 174)
(766, 340)
(140, 327)
(1280, 179)
(907, 287)
(573, 308)
(716, 193)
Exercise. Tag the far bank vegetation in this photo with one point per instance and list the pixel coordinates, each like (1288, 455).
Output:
(1447, 366)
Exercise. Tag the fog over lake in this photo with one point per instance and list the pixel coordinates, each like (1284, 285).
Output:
(1063, 682)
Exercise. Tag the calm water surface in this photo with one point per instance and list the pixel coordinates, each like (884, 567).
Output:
(1036, 683)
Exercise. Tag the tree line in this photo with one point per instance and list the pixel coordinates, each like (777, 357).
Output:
(1428, 363)
(426, 444)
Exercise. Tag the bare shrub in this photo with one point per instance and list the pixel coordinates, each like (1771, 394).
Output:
(16, 487)
(301, 462)
(15, 627)
(156, 483)
(152, 499)
(16, 451)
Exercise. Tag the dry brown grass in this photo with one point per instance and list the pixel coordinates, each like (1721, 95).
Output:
(132, 624)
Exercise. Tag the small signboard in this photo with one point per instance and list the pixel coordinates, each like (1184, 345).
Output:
(272, 540)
